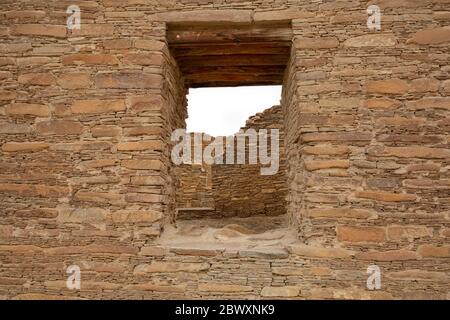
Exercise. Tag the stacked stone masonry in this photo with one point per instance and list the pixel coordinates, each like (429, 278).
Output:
(86, 177)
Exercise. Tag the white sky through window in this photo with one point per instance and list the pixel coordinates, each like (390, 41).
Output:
(223, 111)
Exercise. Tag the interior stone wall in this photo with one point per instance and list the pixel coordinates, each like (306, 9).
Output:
(85, 179)
(236, 190)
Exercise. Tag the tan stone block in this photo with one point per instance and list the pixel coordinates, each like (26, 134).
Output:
(38, 110)
(170, 267)
(316, 43)
(281, 15)
(24, 146)
(15, 48)
(124, 80)
(431, 36)
(82, 215)
(90, 59)
(205, 16)
(59, 127)
(135, 216)
(156, 288)
(145, 103)
(433, 251)
(100, 163)
(415, 275)
(117, 44)
(196, 252)
(446, 86)
(394, 255)
(142, 164)
(99, 197)
(97, 106)
(154, 251)
(410, 152)
(144, 59)
(282, 292)
(155, 145)
(151, 45)
(425, 85)
(39, 79)
(93, 249)
(25, 14)
(400, 122)
(326, 164)
(74, 81)
(361, 234)
(337, 136)
(93, 30)
(144, 131)
(341, 213)
(44, 30)
(222, 287)
(385, 196)
(6, 95)
(326, 149)
(147, 181)
(380, 103)
(144, 198)
(391, 86)
(372, 40)
(429, 103)
(32, 190)
(320, 252)
(42, 296)
(21, 249)
(106, 131)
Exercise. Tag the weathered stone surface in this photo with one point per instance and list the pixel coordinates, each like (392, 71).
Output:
(222, 287)
(6, 95)
(142, 164)
(59, 127)
(74, 81)
(392, 86)
(147, 181)
(135, 216)
(265, 253)
(429, 103)
(38, 79)
(92, 249)
(415, 275)
(156, 288)
(38, 110)
(93, 30)
(106, 131)
(143, 59)
(410, 152)
(361, 234)
(32, 190)
(320, 252)
(39, 30)
(326, 164)
(315, 43)
(13, 128)
(281, 15)
(385, 196)
(169, 267)
(90, 59)
(342, 213)
(99, 197)
(327, 150)
(372, 40)
(433, 251)
(128, 81)
(201, 16)
(431, 36)
(285, 292)
(380, 104)
(14, 47)
(342, 137)
(394, 255)
(141, 145)
(24, 146)
(98, 106)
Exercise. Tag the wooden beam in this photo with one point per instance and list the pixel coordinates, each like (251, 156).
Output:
(209, 49)
(232, 60)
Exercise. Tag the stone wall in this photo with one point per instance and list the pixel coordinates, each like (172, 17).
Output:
(85, 176)
(236, 190)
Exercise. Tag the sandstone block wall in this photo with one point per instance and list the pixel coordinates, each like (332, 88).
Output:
(236, 190)
(85, 176)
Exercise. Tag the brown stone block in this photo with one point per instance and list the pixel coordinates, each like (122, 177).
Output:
(74, 81)
(125, 80)
(24, 146)
(154, 145)
(316, 43)
(13, 128)
(146, 103)
(382, 104)
(117, 44)
(151, 45)
(410, 152)
(196, 252)
(337, 136)
(425, 85)
(25, 14)
(281, 292)
(135, 216)
(93, 30)
(38, 79)
(44, 30)
(90, 59)
(147, 181)
(142, 164)
(372, 40)
(59, 127)
(154, 251)
(320, 252)
(31, 190)
(326, 149)
(223, 287)
(431, 36)
(144, 131)
(433, 251)
(97, 106)
(99, 197)
(38, 110)
(14, 48)
(93, 249)
(394, 255)
(144, 59)
(205, 16)
(106, 131)
(341, 213)
(429, 103)
(170, 267)
(400, 122)
(417, 275)
(385, 196)
(326, 164)
(156, 288)
(398, 233)
(361, 234)
(144, 198)
(391, 86)
(21, 249)
(100, 163)
(6, 95)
